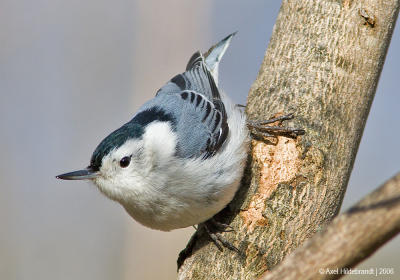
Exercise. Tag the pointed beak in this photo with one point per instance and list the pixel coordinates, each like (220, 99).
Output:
(83, 174)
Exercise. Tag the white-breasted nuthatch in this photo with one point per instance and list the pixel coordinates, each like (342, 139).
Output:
(180, 159)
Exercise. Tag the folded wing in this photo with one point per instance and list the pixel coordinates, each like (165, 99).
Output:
(200, 119)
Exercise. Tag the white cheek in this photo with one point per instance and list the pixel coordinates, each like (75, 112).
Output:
(107, 168)
(159, 142)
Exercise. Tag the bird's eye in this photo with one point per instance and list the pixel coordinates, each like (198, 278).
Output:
(124, 162)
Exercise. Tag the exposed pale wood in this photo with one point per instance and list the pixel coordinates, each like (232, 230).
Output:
(350, 238)
(323, 63)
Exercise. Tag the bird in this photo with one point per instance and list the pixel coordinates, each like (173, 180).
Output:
(180, 159)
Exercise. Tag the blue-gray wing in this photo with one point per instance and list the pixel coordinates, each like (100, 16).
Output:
(200, 119)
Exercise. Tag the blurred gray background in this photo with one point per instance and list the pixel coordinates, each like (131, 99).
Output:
(73, 71)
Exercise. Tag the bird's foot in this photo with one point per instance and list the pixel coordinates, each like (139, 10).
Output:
(213, 227)
(214, 224)
(261, 129)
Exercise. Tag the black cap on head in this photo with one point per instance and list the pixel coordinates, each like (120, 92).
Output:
(131, 130)
(115, 140)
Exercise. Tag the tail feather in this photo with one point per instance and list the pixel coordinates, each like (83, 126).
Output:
(214, 54)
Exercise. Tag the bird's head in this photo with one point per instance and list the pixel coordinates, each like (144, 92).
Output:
(115, 160)
(124, 160)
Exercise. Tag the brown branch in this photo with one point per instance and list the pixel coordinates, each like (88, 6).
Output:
(350, 238)
(323, 64)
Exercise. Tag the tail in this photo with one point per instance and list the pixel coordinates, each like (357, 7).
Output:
(215, 53)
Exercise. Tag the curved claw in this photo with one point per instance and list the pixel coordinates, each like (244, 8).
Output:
(217, 238)
(261, 129)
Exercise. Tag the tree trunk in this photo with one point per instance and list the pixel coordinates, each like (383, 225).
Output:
(323, 64)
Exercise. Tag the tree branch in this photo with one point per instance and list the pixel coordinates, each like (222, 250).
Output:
(350, 238)
(323, 63)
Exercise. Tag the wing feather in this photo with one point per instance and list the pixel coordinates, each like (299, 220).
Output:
(198, 90)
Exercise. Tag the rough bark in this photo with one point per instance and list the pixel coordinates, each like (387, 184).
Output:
(323, 63)
(350, 238)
